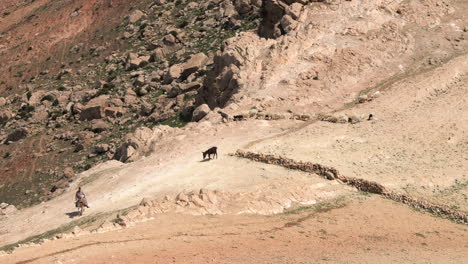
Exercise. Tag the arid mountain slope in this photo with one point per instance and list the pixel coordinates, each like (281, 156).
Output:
(297, 79)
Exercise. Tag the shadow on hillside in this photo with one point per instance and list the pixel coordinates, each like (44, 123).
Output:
(73, 214)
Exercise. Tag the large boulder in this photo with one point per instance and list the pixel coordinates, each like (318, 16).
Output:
(82, 96)
(36, 97)
(200, 112)
(94, 109)
(273, 12)
(135, 16)
(193, 64)
(134, 61)
(294, 10)
(125, 152)
(69, 173)
(98, 126)
(173, 73)
(288, 23)
(101, 148)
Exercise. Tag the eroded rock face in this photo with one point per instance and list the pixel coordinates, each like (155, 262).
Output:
(140, 143)
(225, 79)
(316, 37)
(272, 13)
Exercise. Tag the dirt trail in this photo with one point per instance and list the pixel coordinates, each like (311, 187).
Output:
(384, 85)
(393, 234)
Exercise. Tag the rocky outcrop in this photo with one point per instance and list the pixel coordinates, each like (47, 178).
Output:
(101, 107)
(236, 59)
(200, 112)
(140, 143)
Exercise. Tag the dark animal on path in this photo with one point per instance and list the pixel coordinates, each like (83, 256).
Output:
(238, 118)
(209, 152)
(223, 115)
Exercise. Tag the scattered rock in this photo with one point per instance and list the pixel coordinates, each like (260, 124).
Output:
(193, 64)
(135, 16)
(94, 109)
(145, 202)
(98, 126)
(288, 23)
(172, 74)
(76, 230)
(102, 148)
(69, 173)
(106, 226)
(363, 99)
(294, 10)
(18, 134)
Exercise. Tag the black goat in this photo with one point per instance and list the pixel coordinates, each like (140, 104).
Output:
(209, 152)
(238, 118)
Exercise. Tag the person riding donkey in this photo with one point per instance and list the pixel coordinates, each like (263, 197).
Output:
(80, 197)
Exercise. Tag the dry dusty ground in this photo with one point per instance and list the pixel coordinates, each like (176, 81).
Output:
(418, 144)
(367, 230)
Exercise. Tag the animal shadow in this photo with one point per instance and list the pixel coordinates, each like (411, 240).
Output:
(73, 214)
(204, 160)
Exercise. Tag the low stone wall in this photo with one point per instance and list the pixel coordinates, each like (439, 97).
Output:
(360, 184)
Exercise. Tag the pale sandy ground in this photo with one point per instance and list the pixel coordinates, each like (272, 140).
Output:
(367, 230)
(418, 144)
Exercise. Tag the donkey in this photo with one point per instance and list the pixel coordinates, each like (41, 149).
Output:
(209, 152)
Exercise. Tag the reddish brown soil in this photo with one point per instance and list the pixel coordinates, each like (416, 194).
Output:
(372, 230)
(38, 35)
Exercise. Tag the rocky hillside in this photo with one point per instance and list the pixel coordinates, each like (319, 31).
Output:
(76, 90)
